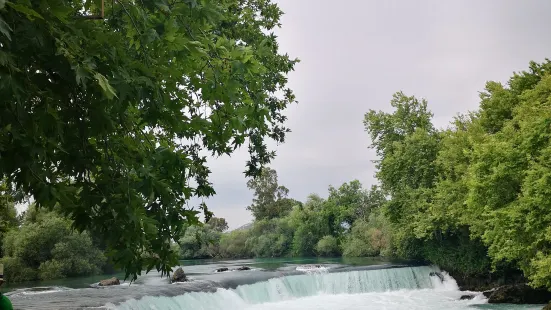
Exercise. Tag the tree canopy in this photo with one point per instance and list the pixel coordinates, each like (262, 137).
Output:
(318, 226)
(111, 119)
(477, 193)
(270, 198)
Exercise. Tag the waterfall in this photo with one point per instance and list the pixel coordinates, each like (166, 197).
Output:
(298, 286)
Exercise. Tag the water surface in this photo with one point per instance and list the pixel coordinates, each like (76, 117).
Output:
(306, 283)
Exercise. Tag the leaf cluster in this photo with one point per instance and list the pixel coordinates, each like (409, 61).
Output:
(110, 119)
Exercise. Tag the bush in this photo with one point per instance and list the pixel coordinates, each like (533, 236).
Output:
(200, 242)
(34, 241)
(234, 244)
(16, 271)
(458, 253)
(77, 256)
(328, 246)
(371, 237)
(304, 242)
(45, 247)
(51, 269)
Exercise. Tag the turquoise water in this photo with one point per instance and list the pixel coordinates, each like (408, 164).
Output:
(395, 288)
(204, 267)
(307, 283)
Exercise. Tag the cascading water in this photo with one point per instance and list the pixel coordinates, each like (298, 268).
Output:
(328, 286)
(315, 291)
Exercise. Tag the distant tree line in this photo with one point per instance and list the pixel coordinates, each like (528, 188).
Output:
(349, 222)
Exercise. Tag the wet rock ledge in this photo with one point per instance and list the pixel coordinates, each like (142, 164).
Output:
(518, 294)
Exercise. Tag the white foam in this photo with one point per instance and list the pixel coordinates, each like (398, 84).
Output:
(410, 288)
(37, 291)
(312, 268)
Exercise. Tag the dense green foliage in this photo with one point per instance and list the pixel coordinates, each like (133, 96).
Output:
(270, 199)
(8, 213)
(479, 193)
(201, 241)
(45, 247)
(110, 119)
(474, 198)
(286, 227)
(105, 123)
(370, 236)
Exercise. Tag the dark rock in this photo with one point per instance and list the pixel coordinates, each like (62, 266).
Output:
(547, 307)
(179, 275)
(437, 274)
(222, 269)
(487, 281)
(109, 282)
(519, 294)
(488, 293)
(466, 297)
(243, 268)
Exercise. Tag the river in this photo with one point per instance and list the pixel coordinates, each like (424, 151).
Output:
(270, 284)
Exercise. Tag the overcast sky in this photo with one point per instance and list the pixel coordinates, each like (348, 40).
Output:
(355, 54)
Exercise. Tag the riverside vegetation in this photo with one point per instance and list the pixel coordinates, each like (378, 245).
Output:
(473, 198)
(108, 108)
(104, 123)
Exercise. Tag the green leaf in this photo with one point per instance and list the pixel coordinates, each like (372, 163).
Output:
(5, 28)
(30, 13)
(81, 75)
(163, 7)
(108, 90)
(101, 145)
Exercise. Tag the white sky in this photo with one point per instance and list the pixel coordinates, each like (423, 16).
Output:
(355, 54)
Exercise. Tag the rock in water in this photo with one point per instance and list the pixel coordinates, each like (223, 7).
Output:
(179, 275)
(547, 307)
(519, 294)
(466, 297)
(488, 293)
(222, 269)
(243, 268)
(109, 282)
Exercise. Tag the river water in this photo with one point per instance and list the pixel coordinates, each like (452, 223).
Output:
(270, 284)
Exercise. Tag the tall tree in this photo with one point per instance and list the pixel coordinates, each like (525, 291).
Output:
(354, 201)
(407, 145)
(270, 199)
(477, 193)
(8, 213)
(218, 223)
(510, 175)
(109, 118)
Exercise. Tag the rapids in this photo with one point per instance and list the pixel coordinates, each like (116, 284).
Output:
(271, 285)
(396, 288)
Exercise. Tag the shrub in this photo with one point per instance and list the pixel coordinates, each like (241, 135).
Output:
(328, 246)
(16, 271)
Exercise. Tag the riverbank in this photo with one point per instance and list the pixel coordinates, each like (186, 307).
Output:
(509, 287)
